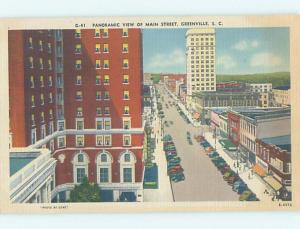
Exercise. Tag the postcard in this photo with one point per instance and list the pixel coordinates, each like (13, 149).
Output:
(150, 114)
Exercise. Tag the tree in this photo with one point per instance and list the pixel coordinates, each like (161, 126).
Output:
(85, 192)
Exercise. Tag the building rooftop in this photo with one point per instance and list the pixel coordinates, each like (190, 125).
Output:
(17, 163)
(282, 88)
(18, 160)
(283, 142)
(224, 93)
(263, 113)
(199, 31)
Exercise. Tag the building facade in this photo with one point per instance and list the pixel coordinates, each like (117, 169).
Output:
(200, 64)
(83, 90)
(259, 124)
(282, 96)
(261, 87)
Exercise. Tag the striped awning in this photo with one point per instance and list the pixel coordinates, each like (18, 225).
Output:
(273, 182)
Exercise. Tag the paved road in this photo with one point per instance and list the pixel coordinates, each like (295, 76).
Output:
(203, 182)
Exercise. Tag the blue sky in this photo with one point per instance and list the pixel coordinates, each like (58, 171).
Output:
(238, 50)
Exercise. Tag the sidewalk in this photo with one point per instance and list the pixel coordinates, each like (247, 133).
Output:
(255, 183)
(164, 191)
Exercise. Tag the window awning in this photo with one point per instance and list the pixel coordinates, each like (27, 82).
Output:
(273, 182)
(259, 170)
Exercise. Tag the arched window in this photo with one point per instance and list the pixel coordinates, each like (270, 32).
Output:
(127, 162)
(80, 166)
(104, 170)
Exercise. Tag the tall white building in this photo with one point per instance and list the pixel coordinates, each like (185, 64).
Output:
(200, 54)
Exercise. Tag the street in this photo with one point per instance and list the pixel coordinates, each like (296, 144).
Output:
(203, 182)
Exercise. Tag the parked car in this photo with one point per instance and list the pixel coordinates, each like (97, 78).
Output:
(177, 177)
(175, 170)
(213, 154)
(228, 174)
(225, 169)
(232, 179)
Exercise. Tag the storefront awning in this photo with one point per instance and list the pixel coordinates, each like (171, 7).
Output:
(273, 182)
(259, 170)
(227, 144)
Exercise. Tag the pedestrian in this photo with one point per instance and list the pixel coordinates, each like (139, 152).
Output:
(234, 164)
(249, 176)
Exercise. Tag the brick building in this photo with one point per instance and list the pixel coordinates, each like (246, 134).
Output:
(79, 93)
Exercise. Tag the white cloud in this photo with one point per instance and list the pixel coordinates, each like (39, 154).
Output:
(245, 45)
(162, 60)
(226, 61)
(265, 59)
(254, 44)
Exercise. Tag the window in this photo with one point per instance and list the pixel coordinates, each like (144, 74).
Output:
(125, 32)
(32, 120)
(78, 80)
(79, 111)
(50, 114)
(42, 99)
(126, 123)
(99, 140)
(106, 110)
(107, 140)
(32, 101)
(42, 81)
(98, 64)
(80, 175)
(49, 48)
(50, 82)
(79, 124)
(43, 131)
(61, 125)
(125, 48)
(49, 64)
(99, 124)
(105, 48)
(126, 157)
(31, 82)
(127, 175)
(80, 158)
(77, 48)
(33, 136)
(106, 95)
(106, 79)
(78, 64)
(79, 140)
(50, 97)
(107, 124)
(30, 44)
(103, 175)
(77, 33)
(97, 48)
(97, 32)
(42, 117)
(98, 95)
(126, 95)
(30, 62)
(125, 63)
(40, 45)
(105, 33)
(98, 111)
(126, 142)
(80, 167)
(104, 162)
(41, 63)
(98, 80)
(125, 79)
(106, 64)
(126, 110)
(79, 95)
